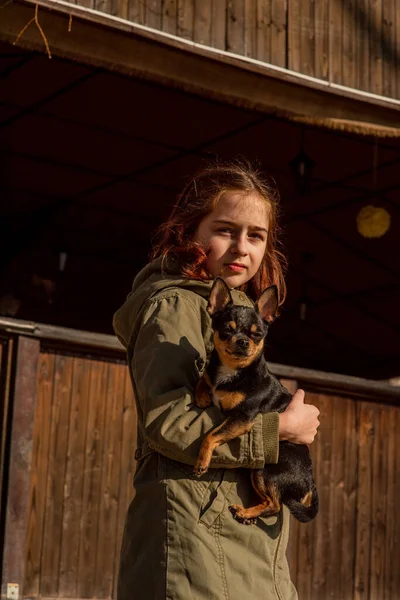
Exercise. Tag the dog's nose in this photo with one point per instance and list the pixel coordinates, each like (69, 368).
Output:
(242, 343)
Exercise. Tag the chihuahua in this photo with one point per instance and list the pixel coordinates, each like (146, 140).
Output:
(237, 380)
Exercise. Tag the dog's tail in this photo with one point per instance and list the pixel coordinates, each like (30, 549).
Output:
(306, 510)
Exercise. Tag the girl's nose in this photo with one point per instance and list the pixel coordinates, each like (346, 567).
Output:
(240, 245)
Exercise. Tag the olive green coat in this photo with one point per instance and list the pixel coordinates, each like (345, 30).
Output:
(180, 540)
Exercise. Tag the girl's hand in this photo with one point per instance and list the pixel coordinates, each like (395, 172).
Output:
(299, 422)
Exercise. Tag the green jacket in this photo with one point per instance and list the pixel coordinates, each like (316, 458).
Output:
(180, 540)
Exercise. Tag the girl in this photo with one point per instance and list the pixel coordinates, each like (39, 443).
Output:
(180, 540)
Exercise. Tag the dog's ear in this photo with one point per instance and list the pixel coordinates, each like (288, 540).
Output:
(267, 304)
(220, 296)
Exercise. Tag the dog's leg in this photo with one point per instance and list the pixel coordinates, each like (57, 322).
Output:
(228, 430)
(270, 502)
(202, 397)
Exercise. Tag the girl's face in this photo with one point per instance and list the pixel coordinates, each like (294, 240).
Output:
(235, 236)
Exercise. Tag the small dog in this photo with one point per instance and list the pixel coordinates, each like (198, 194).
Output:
(237, 380)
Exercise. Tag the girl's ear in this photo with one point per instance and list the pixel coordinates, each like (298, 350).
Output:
(267, 304)
(220, 296)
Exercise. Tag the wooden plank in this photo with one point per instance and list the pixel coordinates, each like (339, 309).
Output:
(342, 511)
(348, 517)
(235, 22)
(376, 47)
(218, 24)
(185, 27)
(39, 472)
(120, 8)
(263, 31)
(89, 523)
(53, 528)
(365, 417)
(88, 3)
(392, 526)
(137, 11)
(322, 455)
(335, 41)
(7, 349)
(202, 21)
(336, 477)
(363, 57)
(170, 16)
(292, 551)
(378, 503)
(394, 587)
(311, 536)
(101, 5)
(250, 28)
(307, 38)
(392, 538)
(106, 549)
(321, 59)
(17, 511)
(153, 13)
(294, 34)
(390, 58)
(74, 476)
(279, 33)
(62, 334)
(349, 44)
(127, 467)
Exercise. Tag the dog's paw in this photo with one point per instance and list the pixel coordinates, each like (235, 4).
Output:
(239, 515)
(199, 470)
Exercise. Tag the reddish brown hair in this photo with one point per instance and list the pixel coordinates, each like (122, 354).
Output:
(197, 200)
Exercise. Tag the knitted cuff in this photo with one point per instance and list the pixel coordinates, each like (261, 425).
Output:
(270, 436)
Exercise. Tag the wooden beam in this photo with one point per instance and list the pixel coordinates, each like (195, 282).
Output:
(98, 39)
(63, 336)
(17, 511)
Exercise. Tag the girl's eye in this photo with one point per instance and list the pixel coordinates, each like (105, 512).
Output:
(225, 230)
(257, 236)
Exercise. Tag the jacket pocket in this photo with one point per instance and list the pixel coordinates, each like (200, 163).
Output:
(214, 498)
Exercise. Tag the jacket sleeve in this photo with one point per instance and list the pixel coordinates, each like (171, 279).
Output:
(168, 359)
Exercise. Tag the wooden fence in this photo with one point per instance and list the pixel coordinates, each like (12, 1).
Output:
(71, 431)
(353, 43)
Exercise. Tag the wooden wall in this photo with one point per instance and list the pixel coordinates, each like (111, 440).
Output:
(81, 478)
(350, 42)
(81, 470)
(350, 551)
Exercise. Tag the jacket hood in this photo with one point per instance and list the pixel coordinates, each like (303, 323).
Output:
(153, 278)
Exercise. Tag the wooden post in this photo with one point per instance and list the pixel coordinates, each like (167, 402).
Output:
(23, 400)
(6, 352)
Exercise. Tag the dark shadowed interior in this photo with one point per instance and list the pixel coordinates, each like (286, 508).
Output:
(91, 162)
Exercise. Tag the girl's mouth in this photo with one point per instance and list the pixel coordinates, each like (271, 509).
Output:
(236, 267)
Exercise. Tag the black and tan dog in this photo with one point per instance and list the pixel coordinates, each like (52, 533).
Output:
(238, 381)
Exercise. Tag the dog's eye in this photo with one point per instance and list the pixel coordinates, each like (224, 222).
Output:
(256, 336)
(228, 329)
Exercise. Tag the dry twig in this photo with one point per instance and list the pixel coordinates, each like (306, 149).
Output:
(36, 21)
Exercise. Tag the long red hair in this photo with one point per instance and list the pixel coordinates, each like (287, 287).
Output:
(197, 200)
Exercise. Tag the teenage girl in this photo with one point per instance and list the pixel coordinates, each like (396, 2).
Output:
(180, 540)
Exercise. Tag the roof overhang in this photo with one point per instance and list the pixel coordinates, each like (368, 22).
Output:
(116, 44)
